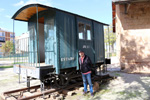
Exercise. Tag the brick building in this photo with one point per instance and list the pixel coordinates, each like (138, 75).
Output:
(131, 21)
(5, 36)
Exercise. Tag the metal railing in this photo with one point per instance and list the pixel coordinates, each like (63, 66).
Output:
(22, 53)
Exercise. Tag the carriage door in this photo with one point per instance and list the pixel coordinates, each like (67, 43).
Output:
(49, 41)
(85, 41)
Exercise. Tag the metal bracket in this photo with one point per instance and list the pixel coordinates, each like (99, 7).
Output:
(126, 8)
(42, 88)
(28, 83)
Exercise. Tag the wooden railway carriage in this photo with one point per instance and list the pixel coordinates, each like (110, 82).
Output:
(55, 36)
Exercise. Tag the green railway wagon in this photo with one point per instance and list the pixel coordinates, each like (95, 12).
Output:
(55, 37)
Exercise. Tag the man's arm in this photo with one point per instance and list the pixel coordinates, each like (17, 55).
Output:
(79, 62)
(89, 61)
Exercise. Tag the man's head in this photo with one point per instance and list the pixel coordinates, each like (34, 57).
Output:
(81, 53)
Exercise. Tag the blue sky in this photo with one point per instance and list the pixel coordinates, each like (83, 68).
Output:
(100, 10)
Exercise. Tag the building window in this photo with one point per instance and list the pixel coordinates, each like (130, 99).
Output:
(81, 31)
(3, 33)
(2, 39)
(0, 33)
(11, 35)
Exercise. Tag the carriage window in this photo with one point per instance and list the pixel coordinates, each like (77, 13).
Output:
(81, 31)
(88, 31)
(49, 28)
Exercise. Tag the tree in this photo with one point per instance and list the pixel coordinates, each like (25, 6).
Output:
(110, 37)
(7, 47)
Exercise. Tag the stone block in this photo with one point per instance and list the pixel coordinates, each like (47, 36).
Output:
(53, 96)
(40, 99)
(26, 94)
(11, 98)
(77, 88)
(81, 89)
(65, 92)
(38, 90)
(95, 87)
(70, 93)
(59, 98)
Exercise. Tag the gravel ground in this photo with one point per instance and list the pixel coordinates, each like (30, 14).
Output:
(124, 87)
(127, 87)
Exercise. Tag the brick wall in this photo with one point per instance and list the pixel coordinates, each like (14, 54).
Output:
(133, 37)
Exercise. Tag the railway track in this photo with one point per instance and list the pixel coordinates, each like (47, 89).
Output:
(36, 93)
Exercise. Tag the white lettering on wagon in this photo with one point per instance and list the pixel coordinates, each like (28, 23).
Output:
(67, 59)
(86, 46)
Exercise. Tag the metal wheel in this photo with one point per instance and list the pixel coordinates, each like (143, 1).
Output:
(61, 81)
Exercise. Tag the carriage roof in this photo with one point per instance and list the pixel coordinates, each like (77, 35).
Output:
(26, 12)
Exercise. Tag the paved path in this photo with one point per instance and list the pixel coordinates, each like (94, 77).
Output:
(6, 63)
(114, 66)
(9, 80)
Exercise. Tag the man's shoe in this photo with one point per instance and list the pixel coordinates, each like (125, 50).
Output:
(92, 94)
(84, 93)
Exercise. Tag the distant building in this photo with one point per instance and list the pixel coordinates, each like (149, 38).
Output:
(21, 43)
(5, 36)
(131, 21)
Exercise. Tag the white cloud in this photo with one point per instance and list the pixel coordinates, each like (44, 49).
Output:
(2, 28)
(1, 9)
(45, 2)
(7, 16)
(19, 3)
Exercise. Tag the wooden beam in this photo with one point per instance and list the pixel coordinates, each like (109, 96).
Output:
(128, 1)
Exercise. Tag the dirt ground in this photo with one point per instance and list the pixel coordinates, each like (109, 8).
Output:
(9, 80)
(124, 87)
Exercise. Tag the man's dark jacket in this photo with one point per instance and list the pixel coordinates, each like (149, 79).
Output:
(86, 65)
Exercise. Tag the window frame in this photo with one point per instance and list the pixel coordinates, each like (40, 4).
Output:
(83, 31)
(87, 32)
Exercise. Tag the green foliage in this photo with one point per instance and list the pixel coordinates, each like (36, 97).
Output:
(121, 92)
(105, 91)
(7, 48)
(110, 37)
(6, 66)
(19, 62)
(117, 74)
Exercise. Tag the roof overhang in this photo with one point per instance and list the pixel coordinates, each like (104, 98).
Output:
(114, 17)
(26, 12)
(126, 4)
(127, 1)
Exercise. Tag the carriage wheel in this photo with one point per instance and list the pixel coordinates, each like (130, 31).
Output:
(61, 81)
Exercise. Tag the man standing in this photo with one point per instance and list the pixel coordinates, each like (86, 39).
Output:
(85, 67)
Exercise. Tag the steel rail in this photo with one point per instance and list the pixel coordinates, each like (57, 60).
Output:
(22, 89)
(50, 91)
